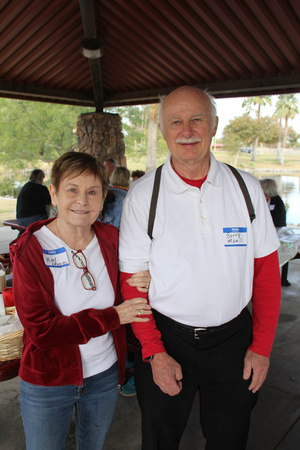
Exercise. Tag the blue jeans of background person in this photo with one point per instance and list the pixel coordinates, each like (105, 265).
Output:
(47, 412)
(25, 221)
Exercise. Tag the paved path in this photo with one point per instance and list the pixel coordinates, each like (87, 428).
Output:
(275, 420)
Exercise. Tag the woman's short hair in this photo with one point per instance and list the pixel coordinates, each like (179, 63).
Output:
(120, 177)
(37, 176)
(73, 164)
(269, 187)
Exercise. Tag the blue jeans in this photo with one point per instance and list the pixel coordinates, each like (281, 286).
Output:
(25, 221)
(47, 412)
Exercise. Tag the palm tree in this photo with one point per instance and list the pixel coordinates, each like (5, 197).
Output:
(152, 138)
(286, 108)
(249, 103)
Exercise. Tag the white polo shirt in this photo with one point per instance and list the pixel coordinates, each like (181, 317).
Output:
(201, 258)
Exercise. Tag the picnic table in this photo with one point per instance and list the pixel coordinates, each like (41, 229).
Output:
(13, 223)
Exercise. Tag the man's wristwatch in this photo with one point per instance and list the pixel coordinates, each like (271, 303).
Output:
(149, 358)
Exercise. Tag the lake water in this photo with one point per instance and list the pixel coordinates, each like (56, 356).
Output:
(289, 191)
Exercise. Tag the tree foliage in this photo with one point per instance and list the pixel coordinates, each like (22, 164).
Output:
(135, 123)
(286, 108)
(237, 134)
(243, 127)
(266, 129)
(252, 102)
(34, 132)
(242, 132)
(258, 102)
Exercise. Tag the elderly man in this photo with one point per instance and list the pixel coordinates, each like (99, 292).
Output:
(110, 165)
(207, 261)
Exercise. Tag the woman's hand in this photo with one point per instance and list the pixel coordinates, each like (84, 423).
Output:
(140, 280)
(133, 310)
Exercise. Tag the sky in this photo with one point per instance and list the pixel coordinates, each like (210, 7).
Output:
(229, 108)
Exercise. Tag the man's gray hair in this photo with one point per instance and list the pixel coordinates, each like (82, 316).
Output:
(211, 99)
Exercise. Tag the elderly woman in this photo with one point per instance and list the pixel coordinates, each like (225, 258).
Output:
(65, 278)
(278, 213)
(275, 202)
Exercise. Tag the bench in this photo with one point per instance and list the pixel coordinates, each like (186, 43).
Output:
(13, 223)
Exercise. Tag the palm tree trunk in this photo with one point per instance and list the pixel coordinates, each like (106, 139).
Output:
(254, 149)
(278, 148)
(152, 138)
(284, 141)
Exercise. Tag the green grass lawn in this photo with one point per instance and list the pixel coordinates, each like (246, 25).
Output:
(7, 209)
(263, 161)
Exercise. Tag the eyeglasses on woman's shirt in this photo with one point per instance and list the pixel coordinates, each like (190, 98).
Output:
(87, 278)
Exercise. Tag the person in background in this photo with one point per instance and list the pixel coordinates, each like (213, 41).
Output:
(65, 273)
(136, 174)
(110, 164)
(207, 261)
(33, 199)
(120, 181)
(278, 213)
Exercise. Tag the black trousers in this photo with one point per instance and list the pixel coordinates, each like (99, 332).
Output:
(212, 365)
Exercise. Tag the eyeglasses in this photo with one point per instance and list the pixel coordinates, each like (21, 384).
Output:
(87, 278)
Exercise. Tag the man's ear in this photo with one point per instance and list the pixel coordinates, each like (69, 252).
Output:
(216, 126)
(161, 130)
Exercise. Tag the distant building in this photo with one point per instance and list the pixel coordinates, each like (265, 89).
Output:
(217, 146)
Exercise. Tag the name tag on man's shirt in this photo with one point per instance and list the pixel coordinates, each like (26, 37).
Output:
(235, 237)
(56, 258)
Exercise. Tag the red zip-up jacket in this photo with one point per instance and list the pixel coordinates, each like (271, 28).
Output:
(51, 355)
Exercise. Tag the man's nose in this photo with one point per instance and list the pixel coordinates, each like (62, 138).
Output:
(187, 129)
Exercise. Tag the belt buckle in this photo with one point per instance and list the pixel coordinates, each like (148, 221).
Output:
(196, 330)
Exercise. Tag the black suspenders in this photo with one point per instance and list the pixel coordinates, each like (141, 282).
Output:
(245, 191)
(154, 200)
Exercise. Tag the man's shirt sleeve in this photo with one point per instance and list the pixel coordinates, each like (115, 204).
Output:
(146, 332)
(265, 303)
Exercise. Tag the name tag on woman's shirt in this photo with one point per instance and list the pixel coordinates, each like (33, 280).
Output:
(56, 258)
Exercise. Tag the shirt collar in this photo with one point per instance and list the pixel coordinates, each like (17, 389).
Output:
(177, 185)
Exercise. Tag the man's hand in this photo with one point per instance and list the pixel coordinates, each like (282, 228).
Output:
(258, 366)
(167, 373)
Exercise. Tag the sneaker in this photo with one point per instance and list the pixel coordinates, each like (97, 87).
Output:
(128, 389)
(285, 283)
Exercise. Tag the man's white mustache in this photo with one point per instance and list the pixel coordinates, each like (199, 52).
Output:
(188, 141)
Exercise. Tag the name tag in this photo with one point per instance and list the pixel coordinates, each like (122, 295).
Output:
(56, 258)
(235, 237)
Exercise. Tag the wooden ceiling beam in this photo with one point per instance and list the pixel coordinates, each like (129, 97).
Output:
(228, 89)
(91, 37)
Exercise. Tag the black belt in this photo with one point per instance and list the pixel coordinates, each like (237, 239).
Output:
(198, 332)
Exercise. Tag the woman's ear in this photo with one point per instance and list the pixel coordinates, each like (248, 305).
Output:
(53, 195)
